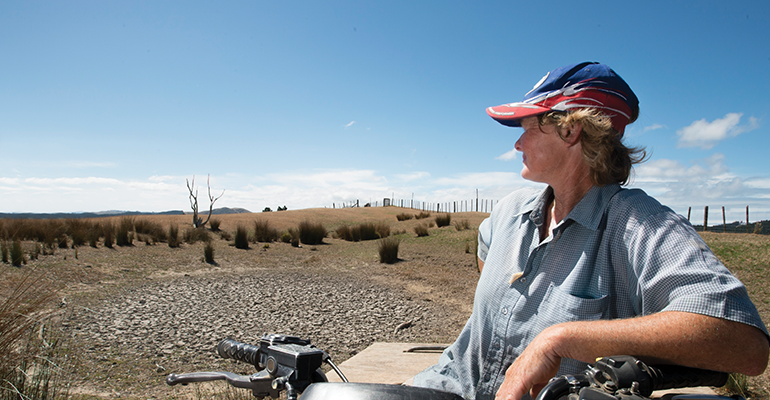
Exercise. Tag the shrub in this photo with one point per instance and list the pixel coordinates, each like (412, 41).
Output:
(4, 251)
(462, 225)
(173, 236)
(311, 233)
(422, 215)
(443, 220)
(241, 238)
(286, 237)
(404, 217)
(17, 254)
(263, 232)
(208, 253)
(421, 230)
(388, 249)
(214, 225)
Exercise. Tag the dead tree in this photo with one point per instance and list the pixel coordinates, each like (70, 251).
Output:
(197, 221)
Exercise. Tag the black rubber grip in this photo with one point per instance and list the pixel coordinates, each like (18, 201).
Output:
(229, 348)
(674, 376)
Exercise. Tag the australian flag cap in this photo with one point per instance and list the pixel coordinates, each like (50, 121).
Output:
(585, 85)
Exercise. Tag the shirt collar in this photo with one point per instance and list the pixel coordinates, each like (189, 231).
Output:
(588, 211)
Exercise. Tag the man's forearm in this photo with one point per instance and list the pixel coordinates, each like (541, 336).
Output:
(669, 337)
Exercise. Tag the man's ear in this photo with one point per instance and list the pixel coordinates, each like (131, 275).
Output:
(573, 132)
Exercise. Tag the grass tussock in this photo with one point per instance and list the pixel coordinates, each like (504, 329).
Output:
(363, 231)
(241, 238)
(208, 253)
(404, 217)
(443, 220)
(462, 225)
(422, 215)
(421, 230)
(26, 367)
(195, 235)
(173, 236)
(264, 232)
(311, 233)
(388, 249)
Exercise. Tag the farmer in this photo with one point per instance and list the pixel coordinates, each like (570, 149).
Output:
(584, 268)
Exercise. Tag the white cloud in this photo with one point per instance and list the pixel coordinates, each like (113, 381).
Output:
(705, 182)
(508, 156)
(706, 134)
(654, 127)
(350, 124)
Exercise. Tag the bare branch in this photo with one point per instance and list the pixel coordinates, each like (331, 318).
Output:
(197, 221)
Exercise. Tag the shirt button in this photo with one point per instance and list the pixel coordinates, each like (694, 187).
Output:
(505, 310)
(523, 280)
(487, 377)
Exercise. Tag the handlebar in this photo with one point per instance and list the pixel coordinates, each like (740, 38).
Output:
(291, 364)
(238, 351)
(626, 375)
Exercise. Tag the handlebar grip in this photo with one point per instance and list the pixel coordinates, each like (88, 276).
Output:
(232, 349)
(675, 376)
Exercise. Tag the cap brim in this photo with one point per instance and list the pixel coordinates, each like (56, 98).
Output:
(511, 114)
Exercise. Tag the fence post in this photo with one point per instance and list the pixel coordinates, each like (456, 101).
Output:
(724, 221)
(747, 219)
(688, 213)
(705, 218)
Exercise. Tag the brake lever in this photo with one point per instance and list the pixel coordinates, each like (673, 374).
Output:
(260, 383)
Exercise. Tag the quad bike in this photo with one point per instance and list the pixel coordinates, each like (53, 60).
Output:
(292, 365)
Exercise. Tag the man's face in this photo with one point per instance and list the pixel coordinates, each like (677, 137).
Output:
(542, 151)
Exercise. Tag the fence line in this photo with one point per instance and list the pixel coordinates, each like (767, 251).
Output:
(471, 205)
(732, 227)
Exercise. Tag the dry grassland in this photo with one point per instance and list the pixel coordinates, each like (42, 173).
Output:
(439, 268)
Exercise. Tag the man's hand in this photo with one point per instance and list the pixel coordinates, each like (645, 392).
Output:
(670, 337)
(532, 370)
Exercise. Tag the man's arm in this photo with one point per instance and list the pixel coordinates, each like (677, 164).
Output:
(670, 337)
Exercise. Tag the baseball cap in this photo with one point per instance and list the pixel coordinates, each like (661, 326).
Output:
(584, 85)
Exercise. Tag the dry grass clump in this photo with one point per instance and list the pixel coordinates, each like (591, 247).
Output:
(241, 238)
(311, 233)
(443, 220)
(264, 232)
(173, 236)
(363, 231)
(404, 217)
(422, 215)
(26, 368)
(421, 230)
(388, 249)
(462, 225)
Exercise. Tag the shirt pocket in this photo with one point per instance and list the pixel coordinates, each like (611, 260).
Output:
(560, 306)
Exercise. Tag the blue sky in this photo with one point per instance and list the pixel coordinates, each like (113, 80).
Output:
(113, 105)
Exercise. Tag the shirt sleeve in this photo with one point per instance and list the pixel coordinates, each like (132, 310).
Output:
(676, 271)
(485, 233)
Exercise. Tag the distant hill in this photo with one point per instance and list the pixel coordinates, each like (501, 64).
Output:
(113, 213)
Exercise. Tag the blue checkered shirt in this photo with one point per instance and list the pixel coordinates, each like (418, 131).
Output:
(618, 254)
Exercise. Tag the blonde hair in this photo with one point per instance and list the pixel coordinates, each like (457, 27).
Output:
(609, 160)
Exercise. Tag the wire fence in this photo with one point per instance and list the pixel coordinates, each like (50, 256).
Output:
(470, 205)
